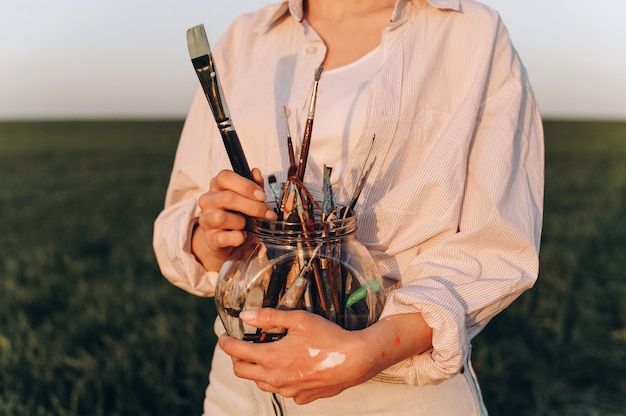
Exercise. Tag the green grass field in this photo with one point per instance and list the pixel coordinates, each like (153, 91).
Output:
(89, 327)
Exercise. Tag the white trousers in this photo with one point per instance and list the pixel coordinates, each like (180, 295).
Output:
(228, 395)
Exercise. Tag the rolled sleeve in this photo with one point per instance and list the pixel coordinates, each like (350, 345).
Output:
(474, 265)
(172, 248)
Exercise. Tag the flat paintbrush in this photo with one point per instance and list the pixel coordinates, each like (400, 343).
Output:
(202, 60)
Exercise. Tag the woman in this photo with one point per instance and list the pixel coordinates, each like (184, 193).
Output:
(451, 211)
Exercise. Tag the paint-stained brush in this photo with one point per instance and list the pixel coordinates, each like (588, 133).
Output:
(202, 60)
(329, 204)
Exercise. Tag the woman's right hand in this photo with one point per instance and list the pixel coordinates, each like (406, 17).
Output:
(222, 220)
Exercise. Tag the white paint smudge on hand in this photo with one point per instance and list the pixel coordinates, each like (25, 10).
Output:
(333, 359)
(313, 352)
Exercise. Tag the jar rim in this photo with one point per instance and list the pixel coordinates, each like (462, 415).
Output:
(316, 229)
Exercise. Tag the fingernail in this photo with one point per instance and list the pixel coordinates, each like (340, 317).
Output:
(248, 315)
(270, 215)
(259, 195)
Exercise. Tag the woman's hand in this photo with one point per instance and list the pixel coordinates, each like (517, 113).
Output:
(222, 220)
(318, 358)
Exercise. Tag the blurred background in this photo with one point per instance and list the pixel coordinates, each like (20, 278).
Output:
(114, 58)
(92, 100)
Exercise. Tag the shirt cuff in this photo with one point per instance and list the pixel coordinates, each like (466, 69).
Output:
(446, 316)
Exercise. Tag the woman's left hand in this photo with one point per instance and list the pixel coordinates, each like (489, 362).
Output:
(316, 358)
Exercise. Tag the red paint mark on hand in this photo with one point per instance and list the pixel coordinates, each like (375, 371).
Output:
(382, 354)
(397, 340)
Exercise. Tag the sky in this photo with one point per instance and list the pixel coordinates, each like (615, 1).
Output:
(128, 58)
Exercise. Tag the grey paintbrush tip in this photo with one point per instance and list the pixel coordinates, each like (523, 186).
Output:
(197, 42)
(318, 73)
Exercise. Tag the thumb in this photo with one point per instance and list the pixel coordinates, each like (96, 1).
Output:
(269, 318)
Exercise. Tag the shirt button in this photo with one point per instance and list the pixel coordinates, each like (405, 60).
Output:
(311, 50)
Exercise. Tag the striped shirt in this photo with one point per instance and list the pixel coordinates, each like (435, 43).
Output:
(453, 207)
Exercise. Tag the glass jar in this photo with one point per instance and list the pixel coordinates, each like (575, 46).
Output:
(320, 268)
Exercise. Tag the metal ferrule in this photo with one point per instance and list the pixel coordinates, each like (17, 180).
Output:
(313, 102)
(205, 69)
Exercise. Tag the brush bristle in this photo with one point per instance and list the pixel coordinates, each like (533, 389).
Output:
(271, 179)
(197, 42)
(318, 73)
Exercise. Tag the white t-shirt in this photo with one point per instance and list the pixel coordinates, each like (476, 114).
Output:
(342, 100)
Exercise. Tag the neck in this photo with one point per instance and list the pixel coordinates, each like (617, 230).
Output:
(349, 28)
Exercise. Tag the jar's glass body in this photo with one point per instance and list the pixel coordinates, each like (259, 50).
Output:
(324, 270)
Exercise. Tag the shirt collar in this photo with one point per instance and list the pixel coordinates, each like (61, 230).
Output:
(446, 4)
(295, 8)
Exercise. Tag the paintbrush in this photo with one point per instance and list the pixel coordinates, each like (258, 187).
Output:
(202, 60)
(347, 211)
(308, 128)
(292, 158)
(358, 189)
(275, 187)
